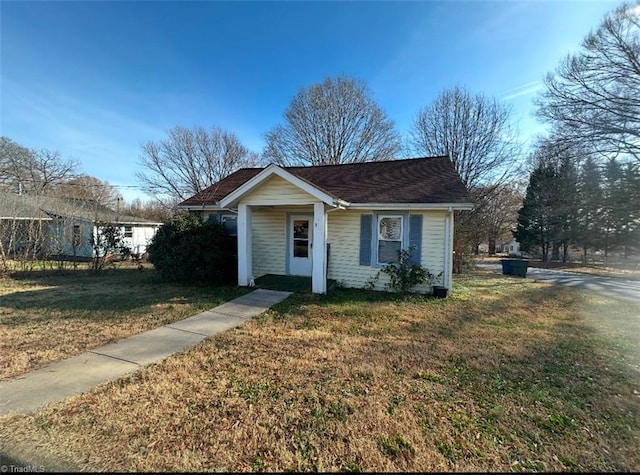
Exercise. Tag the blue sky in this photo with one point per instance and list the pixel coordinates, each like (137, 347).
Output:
(96, 80)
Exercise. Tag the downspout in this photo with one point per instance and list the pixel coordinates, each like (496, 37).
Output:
(448, 258)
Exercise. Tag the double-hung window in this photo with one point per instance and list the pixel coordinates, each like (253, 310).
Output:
(390, 235)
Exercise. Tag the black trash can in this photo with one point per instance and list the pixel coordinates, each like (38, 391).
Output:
(439, 291)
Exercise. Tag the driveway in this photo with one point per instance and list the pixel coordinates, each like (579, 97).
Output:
(616, 287)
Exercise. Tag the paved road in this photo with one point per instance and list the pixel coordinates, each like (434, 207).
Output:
(615, 287)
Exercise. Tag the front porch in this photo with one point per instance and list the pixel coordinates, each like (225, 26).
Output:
(289, 283)
(285, 240)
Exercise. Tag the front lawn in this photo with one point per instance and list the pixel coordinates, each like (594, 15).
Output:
(49, 316)
(507, 375)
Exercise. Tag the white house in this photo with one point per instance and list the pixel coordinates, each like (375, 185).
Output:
(341, 222)
(66, 225)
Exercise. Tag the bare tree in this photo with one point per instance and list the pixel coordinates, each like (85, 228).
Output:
(146, 209)
(189, 161)
(497, 213)
(32, 171)
(477, 134)
(594, 94)
(89, 189)
(475, 131)
(332, 122)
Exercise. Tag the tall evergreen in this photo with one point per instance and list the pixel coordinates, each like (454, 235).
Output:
(537, 220)
(589, 196)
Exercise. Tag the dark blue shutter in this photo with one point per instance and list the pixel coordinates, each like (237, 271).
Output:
(366, 221)
(415, 238)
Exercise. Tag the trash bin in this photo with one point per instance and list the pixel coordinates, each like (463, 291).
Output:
(519, 267)
(507, 269)
(440, 291)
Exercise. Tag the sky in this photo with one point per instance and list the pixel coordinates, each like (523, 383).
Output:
(96, 80)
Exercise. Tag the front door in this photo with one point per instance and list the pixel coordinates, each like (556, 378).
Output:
(300, 243)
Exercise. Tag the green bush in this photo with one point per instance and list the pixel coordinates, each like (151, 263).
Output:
(405, 275)
(188, 250)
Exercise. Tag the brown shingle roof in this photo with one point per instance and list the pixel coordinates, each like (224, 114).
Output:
(416, 180)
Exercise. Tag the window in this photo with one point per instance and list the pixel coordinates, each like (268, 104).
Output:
(128, 231)
(301, 238)
(76, 237)
(230, 224)
(389, 239)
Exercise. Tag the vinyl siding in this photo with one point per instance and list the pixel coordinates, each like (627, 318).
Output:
(276, 191)
(269, 238)
(344, 237)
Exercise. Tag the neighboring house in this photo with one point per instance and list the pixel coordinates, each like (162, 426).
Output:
(341, 222)
(513, 248)
(65, 226)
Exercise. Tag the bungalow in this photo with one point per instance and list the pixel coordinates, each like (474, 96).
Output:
(64, 226)
(342, 222)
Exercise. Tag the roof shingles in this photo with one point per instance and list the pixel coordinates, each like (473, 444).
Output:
(417, 180)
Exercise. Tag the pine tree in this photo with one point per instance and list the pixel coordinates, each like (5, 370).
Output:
(589, 231)
(537, 220)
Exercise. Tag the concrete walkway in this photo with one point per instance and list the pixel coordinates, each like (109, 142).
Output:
(62, 379)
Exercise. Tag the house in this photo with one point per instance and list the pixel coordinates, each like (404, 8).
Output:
(513, 248)
(63, 226)
(341, 222)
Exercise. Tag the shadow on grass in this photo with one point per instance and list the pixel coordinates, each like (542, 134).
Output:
(111, 290)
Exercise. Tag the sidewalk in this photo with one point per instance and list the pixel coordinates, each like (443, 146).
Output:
(62, 379)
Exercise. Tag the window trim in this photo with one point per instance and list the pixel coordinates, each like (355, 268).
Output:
(404, 222)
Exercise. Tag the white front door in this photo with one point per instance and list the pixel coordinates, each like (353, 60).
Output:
(300, 242)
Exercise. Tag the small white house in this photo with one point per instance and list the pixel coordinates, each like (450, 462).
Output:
(513, 248)
(67, 225)
(341, 222)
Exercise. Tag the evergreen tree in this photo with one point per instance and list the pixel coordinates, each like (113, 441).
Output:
(589, 231)
(537, 220)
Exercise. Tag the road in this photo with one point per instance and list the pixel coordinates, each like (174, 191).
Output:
(615, 287)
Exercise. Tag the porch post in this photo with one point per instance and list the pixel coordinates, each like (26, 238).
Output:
(245, 256)
(319, 261)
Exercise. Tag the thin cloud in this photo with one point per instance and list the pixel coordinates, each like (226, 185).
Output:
(523, 90)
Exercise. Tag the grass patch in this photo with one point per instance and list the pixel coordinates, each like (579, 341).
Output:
(507, 375)
(48, 316)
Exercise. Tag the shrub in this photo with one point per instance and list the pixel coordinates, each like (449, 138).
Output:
(405, 275)
(188, 250)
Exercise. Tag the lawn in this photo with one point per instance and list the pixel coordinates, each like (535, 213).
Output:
(506, 375)
(48, 316)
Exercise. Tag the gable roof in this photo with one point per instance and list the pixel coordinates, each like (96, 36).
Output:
(418, 180)
(41, 207)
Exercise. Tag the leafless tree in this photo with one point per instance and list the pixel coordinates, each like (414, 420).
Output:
(594, 94)
(189, 161)
(497, 213)
(89, 189)
(476, 132)
(332, 122)
(146, 209)
(32, 171)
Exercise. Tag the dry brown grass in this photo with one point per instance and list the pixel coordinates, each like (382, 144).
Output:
(507, 375)
(599, 270)
(47, 316)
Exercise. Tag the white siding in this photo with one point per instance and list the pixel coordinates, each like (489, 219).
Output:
(344, 238)
(276, 191)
